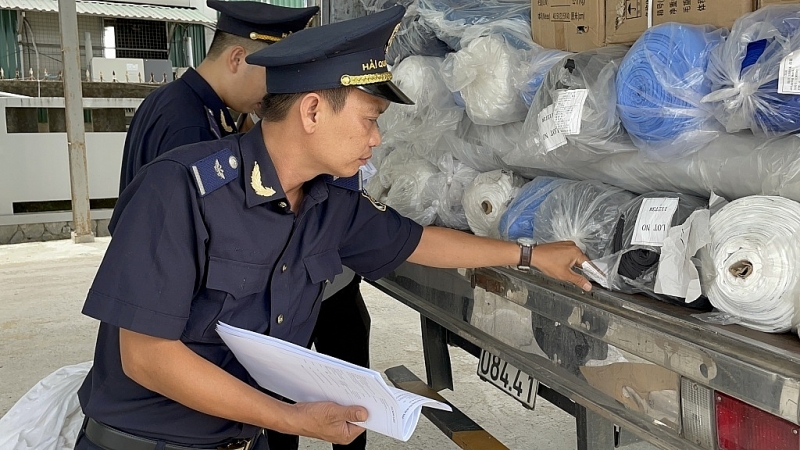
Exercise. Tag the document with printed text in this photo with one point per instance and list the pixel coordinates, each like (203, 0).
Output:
(303, 375)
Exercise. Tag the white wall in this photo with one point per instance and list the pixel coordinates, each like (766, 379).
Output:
(35, 166)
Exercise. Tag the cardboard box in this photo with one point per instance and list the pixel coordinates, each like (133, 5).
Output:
(762, 3)
(578, 25)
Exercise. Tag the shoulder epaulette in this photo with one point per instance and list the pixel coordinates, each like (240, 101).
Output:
(215, 171)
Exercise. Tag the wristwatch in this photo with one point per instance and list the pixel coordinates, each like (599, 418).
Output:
(526, 246)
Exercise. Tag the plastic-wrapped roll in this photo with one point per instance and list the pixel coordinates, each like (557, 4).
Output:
(745, 70)
(487, 198)
(518, 220)
(483, 73)
(754, 262)
(733, 166)
(576, 105)
(434, 110)
(482, 147)
(404, 176)
(660, 85)
(445, 190)
(584, 212)
(638, 235)
(451, 19)
(529, 81)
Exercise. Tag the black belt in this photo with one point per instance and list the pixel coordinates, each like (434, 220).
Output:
(113, 439)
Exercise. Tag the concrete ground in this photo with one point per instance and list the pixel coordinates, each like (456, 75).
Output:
(42, 289)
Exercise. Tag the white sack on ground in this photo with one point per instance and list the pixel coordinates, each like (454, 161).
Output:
(733, 166)
(584, 212)
(486, 199)
(48, 416)
(752, 268)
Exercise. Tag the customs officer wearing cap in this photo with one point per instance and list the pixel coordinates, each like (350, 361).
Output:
(194, 108)
(246, 230)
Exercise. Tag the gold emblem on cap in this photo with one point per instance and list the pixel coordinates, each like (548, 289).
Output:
(265, 37)
(224, 122)
(371, 78)
(391, 38)
(255, 183)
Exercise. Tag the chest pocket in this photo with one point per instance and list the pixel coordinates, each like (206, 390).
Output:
(234, 294)
(321, 269)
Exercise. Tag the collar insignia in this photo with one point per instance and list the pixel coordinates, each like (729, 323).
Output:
(255, 182)
(378, 205)
(218, 169)
(225, 126)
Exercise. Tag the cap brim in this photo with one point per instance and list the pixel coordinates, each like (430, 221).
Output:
(387, 90)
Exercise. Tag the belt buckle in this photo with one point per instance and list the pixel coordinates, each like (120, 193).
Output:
(239, 444)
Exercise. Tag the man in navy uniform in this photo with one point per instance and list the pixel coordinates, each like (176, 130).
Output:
(194, 108)
(247, 230)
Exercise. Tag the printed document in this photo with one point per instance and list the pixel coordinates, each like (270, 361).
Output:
(303, 375)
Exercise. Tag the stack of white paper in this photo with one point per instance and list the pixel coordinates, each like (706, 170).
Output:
(302, 375)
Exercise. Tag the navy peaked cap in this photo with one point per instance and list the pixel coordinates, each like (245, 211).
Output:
(348, 53)
(261, 21)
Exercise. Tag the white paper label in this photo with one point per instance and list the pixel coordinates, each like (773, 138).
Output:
(597, 272)
(549, 133)
(654, 221)
(568, 110)
(789, 75)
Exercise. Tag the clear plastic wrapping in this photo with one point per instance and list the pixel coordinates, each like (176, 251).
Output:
(639, 233)
(48, 416)
(433, 111)
(519, 219)
(483, 71)
(584, 212)
(752, 268)
(733, 166)
(415, 37)
(445, 190)
(660, 87)
(450, 19)
(487, 198)
(573, 119)
(404, 176)
(745, 72)
(481, 147)
(529, 80)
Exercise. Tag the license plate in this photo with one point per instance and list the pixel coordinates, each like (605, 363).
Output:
(508, 378)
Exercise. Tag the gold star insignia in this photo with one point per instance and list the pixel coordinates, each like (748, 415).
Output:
(255, 182)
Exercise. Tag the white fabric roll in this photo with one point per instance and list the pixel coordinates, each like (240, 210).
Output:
(483, 73)
(486, 199)
(753, 263)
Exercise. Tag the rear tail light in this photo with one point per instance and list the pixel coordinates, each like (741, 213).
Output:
(697, 408)
(744, 427)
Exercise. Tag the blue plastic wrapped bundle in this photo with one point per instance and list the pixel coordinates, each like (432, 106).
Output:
(450, 19)
(745, 71)
(518, 220)
(660, 85)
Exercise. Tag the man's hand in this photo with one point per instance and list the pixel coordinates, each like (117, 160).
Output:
(330, 421)
(558, 259)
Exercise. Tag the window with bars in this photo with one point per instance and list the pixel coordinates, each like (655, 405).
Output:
(145, 39)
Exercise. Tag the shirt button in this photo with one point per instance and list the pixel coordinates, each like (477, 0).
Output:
(283, 269)
(282, 204)
(280, 319)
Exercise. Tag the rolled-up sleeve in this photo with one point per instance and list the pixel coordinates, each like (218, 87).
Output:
(156, 258)
(376, 241)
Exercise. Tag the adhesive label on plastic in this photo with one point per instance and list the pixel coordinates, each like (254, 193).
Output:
(789, 75)
(568, 110)
(654, 221)
(597, 272)
(549, 132)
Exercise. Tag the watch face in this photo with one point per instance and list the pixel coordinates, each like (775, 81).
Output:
(526, 241)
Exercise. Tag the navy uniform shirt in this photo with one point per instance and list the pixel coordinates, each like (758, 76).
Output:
(185, 111)
(200, 236)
